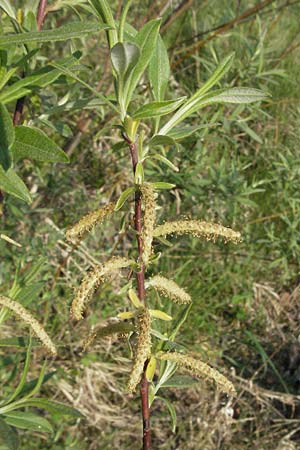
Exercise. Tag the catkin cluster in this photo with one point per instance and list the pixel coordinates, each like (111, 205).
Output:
(92, 281)
(25, 315)
(210, 231)
(199, 368)
(148, 195)
(170, 289)
(143, 349)
(78, 231)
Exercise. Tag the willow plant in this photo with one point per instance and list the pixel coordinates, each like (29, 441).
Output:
(147, 129)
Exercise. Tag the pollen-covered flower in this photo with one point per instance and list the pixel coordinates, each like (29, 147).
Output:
(143, 349)
(200, 369)
(78, 231)
(210, 231)
(92, 281)
(26, 316)
(170, 289)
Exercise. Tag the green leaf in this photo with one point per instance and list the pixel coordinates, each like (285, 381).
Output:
(233, 95)
(103, 10)
(180, 382)
(124, 197)
(181, 320)
(157, 109)
(11, 183)
(172, 412)
(162, 185)
(24, 374)
(124, 57)
(70, 74)
(34, 144)
(161, 140)
(28, 421)
(181, 133)
(159, 70)
(9, 436)
(6, 75)
(146, 41)
(7, 137)
(72, 30)
(165, 161)
(52, 407)
(8, 8)
(38, 79)
(216, 76)
(19, 341)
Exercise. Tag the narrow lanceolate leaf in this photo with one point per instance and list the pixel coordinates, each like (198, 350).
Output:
(161, 140)
(124, 57)
(8, 8)
(159, 185)
(124, 197)
(36, 80)
(52, 407)
(72, 30)
(26, 317)
(134, 299)
(159, 70)
(28, 421)
(7, 137)
(34, 144)
(11, 183)
(146, 41)
(103, 10)
(158, 109)
(158, 314)
(210, 231)
(9, 436)
(216, 76)
(200, 369)
(165, 161)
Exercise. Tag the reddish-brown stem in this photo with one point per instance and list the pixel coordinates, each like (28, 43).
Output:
(41, 14)
(140, 277)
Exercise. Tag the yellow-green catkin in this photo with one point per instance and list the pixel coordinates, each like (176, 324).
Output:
(170, 289)
(143, 349)
(26, 317)
(78, 231)
(210, 231)
(200, 369)
(148, 195)
(91, 281)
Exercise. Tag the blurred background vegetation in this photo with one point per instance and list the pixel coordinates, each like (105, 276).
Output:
(242, 170)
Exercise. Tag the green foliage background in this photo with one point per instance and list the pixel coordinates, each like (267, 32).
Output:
(242, 171)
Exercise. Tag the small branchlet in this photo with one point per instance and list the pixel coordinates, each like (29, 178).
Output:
(122, 328)
(199, 369)
(26, 317)
(210, 231)
(78, 231)
(143, 349)
(92, 281)
(148, 195)
(169, 289)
